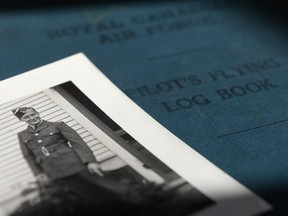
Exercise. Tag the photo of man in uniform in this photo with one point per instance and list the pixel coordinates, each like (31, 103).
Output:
(52, 149)
(58, 155)
(73, 182)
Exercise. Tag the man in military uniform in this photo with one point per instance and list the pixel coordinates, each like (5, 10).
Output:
(58, 155)
(52, 149)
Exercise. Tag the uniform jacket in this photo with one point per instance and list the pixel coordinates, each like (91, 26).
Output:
(55, 149)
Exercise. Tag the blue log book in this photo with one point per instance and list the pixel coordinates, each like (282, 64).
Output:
(212, 72)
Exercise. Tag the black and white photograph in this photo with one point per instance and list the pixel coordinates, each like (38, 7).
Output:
(66, 150)
(72, 171)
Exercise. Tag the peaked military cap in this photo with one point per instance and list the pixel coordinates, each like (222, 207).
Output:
(19, 112)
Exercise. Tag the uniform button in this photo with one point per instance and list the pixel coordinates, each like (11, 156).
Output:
(39, 141)
(51, 133)
(36, 134)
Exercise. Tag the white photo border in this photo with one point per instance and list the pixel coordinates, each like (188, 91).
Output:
(230, 196)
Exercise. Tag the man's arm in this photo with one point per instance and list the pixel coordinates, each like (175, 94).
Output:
(30, 158)
(79, 146)
(41, 177)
